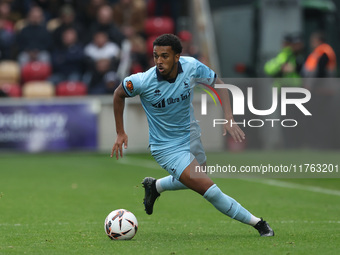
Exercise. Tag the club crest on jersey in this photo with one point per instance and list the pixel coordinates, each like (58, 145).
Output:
(129, 86)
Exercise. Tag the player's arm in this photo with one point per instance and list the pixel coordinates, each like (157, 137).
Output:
(118, 109)
(234, 130)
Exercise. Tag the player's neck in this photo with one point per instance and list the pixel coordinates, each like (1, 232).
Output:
(173, 73)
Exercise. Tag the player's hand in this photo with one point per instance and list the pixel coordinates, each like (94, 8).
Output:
(234, 130)
(117, 148)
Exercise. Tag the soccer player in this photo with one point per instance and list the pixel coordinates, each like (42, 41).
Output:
(174, 135)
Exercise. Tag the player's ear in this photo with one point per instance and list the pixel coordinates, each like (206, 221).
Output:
(177, 57)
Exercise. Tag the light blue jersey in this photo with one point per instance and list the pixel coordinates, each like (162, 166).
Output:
(168, 106)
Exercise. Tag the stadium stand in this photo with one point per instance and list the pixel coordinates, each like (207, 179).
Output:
(71, 88)
(11, 89)
(9, 71)
(36, 44)
(155, 26)
(38, 89)
(36, 71)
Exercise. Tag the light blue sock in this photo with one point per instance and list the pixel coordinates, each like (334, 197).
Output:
(226, 204)
(169, 183)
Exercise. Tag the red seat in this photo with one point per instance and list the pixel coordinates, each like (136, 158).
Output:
(159, 25)
(71, 88)
(36, 71)
(11, 89)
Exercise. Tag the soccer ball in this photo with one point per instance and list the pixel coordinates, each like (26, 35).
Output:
(121, 225)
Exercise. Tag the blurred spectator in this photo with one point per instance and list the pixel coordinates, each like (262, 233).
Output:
(102, 80)
(188, 48)
(298, 47)
(34, 40)
(284, 65)
(105, 23)
(130, 16)
(139, 59)
(87, 11)
(19, 9)
(67, 60)
(44, 5)
(321, 62)
(6, 31)
(6, 40)
(67, 20)
(52, 8)
(101, 47)
(169, 8)
(5, 11)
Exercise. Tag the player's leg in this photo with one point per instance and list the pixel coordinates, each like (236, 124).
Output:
(177, 159)
(203, 185)
(150, 194)
(154, 187)
(167, 160)
(170, 182)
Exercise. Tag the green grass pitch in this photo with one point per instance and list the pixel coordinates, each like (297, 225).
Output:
(57, 203)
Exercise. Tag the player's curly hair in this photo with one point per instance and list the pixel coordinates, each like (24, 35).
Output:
(169, 40)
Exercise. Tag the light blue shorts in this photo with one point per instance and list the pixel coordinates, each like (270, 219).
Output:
(176, 159)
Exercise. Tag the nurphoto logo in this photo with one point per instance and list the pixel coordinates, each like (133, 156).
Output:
(238, 105)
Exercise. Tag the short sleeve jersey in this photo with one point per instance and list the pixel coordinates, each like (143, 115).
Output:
(168, 105)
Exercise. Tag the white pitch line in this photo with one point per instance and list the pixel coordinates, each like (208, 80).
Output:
(153, 165)
(290, 185)
(43, 224)
(147, 222)
(295, 222)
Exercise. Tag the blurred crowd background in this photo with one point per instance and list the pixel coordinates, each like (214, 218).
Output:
(91, 43)
(54, 48)
(94, 44)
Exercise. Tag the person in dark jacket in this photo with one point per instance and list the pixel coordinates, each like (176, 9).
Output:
(105, 23)
(67, 20)
(34, 41)
(67, 60)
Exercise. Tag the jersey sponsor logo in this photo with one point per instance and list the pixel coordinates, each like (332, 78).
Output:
(129, 86)
(172, 100)
(159, 104)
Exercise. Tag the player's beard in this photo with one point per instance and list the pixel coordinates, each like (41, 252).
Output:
(166, 76)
